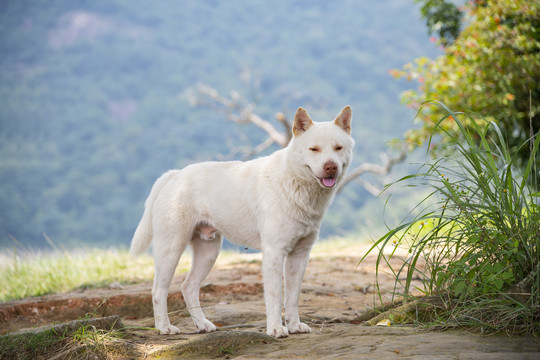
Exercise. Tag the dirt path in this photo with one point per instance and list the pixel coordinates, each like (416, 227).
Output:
(334, 292)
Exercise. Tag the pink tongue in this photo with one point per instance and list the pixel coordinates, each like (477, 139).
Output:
(329, 182)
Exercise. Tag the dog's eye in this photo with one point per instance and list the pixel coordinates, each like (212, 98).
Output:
(314, 149)
(339, 147)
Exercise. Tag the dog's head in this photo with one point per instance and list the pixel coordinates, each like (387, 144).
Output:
(322, 151)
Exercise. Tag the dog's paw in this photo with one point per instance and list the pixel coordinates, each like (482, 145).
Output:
(168, 329)
(298, 328)
(205, 326)
(279, 332)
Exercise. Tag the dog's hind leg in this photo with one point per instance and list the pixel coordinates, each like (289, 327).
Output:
(205, 253)
(167, 249)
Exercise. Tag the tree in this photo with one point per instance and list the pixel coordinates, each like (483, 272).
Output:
(443, 18)
(492, 70)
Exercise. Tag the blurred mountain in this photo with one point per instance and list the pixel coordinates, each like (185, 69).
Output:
(92, 108)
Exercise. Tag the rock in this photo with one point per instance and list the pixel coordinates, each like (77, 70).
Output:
(216, 344)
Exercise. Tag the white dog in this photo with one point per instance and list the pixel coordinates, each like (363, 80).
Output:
(273, 203)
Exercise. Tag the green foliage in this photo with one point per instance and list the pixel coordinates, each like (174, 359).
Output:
(478, 244)
(227, 350)
(492, 70)
(443, 18)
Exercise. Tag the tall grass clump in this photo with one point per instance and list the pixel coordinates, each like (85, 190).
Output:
(475, 240)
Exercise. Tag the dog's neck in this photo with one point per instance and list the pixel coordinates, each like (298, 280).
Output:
(307, 197)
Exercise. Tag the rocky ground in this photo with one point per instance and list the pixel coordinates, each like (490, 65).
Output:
(336, 290)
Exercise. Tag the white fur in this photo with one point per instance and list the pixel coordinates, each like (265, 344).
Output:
(273, 203)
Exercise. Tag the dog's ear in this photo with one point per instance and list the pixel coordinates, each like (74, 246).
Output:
(344, 119)
(302, 122)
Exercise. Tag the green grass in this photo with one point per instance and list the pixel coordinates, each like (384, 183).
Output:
(32, 273)
(29, 273)
(475, 239)
(85, 342)
(29, 346)
(95, 343)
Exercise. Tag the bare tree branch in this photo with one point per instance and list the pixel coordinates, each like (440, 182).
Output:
(275, 135)
(286, 125)
(236, 108)
(240, 111)
(248, 152)
(382, 170)
(369, 187)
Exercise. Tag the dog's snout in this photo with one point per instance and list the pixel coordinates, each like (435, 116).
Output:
(330, 169)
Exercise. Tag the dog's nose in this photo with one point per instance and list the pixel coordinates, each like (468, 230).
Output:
(330, 169)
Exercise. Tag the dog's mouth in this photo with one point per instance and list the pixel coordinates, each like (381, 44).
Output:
(328, 182)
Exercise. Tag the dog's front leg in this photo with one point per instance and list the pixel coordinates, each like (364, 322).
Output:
(295, 267)
(272, 267)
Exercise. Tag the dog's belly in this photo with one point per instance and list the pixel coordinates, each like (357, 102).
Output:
(236, 225)
(224, 196)
(249, 238)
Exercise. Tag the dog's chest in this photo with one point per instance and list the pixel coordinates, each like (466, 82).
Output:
(297, 218)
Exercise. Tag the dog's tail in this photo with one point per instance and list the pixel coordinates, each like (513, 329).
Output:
(143, 234)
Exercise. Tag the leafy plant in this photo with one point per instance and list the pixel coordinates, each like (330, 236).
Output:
(492, 69)
(475, 242)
